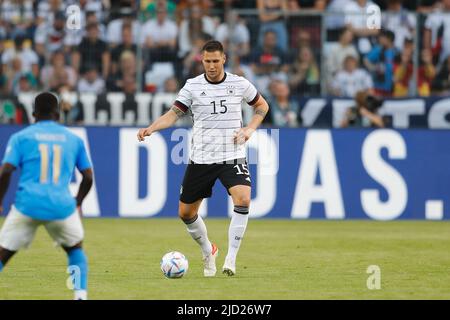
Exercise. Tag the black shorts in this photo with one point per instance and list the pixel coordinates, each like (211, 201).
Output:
(199, 179)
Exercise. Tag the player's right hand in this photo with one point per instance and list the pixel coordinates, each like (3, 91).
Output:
(143, 133)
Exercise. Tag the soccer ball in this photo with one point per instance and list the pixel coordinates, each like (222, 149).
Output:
(174, 265)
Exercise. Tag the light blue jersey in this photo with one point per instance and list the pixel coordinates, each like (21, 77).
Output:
(47, 154)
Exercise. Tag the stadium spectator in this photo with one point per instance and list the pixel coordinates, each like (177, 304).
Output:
(304, 76)
(441, 83)
(436, 35)
(13, 112)
(171, 85)
(49, 38)
(126, 45)
(268, 60)
(404, 71)
(159, 37)
(13, 75)
(272, 17)
(184, 7)
(17, 16)
(335, 18)
(233, 30)
(29, 58)
(365, 113)
(74, 37)
(170, 6)
(284, 110)
(114, 28)
(192, 65)
(90, 82)
(399, 21)
(47, 9)
(92, 51)
(351, 79)
(127, 70)
(193, 28)
(337, 54)
(356, 18)
(58, 75)
(380, 63)
(235, 66)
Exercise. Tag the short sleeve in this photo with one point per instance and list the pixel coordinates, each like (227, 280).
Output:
(250, 94)
(83, 162)
(12, 152)
(184, 98)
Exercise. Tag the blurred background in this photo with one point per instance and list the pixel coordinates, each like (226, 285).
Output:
(142, 52)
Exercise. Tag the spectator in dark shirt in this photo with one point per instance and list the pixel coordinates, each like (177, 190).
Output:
(126, 45)
(92, 50)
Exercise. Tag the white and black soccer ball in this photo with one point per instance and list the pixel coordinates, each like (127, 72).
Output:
(174, 265)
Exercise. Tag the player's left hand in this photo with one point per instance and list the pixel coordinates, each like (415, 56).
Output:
(242, 135)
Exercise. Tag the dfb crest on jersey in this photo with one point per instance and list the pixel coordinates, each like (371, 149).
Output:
(230, 90)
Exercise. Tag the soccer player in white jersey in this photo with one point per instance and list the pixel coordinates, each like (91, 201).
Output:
(218, 149)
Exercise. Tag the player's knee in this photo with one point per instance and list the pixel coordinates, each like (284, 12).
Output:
(79, 245)
(242, 201)
(185, 212)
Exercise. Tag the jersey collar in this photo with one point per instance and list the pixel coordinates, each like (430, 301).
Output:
(223, 79)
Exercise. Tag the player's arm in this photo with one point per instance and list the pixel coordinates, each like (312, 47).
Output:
(5, 176)
(85, 186)
(165, 121)
(260, 107)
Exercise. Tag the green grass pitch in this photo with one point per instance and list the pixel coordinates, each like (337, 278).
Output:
(279, 259)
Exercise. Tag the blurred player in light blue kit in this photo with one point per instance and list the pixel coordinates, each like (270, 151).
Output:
(47, 154)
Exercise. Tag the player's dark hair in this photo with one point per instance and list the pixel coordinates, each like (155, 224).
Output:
(212, 45)
(45, 105)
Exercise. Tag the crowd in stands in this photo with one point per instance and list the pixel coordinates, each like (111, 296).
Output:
(153, 46)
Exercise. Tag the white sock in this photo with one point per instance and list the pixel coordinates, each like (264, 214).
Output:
(236, 231)
(80, 295)
(198, 232)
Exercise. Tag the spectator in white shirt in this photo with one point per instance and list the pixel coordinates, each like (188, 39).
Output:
(114, 28)
(399, 21)
(436, 35)
(357, 15)
(338, 52)
(159, 36)
(351, 79)
(234, 30)
(29, 59)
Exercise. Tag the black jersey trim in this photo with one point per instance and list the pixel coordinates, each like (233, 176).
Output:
(223, 79)
(256, 98)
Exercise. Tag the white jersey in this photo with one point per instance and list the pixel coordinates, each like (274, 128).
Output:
(217, 114)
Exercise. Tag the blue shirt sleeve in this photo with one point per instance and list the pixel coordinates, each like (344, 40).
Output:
(12, 153)
(83, 162)
(374, 55)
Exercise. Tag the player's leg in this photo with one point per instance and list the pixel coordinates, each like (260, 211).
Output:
(197, 184)
(78, 268)
(197, 229)
(17, 232)
(69, 234)
(236, 179)
(241, 200)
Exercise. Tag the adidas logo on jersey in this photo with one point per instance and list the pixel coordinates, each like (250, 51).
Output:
(203, 93)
